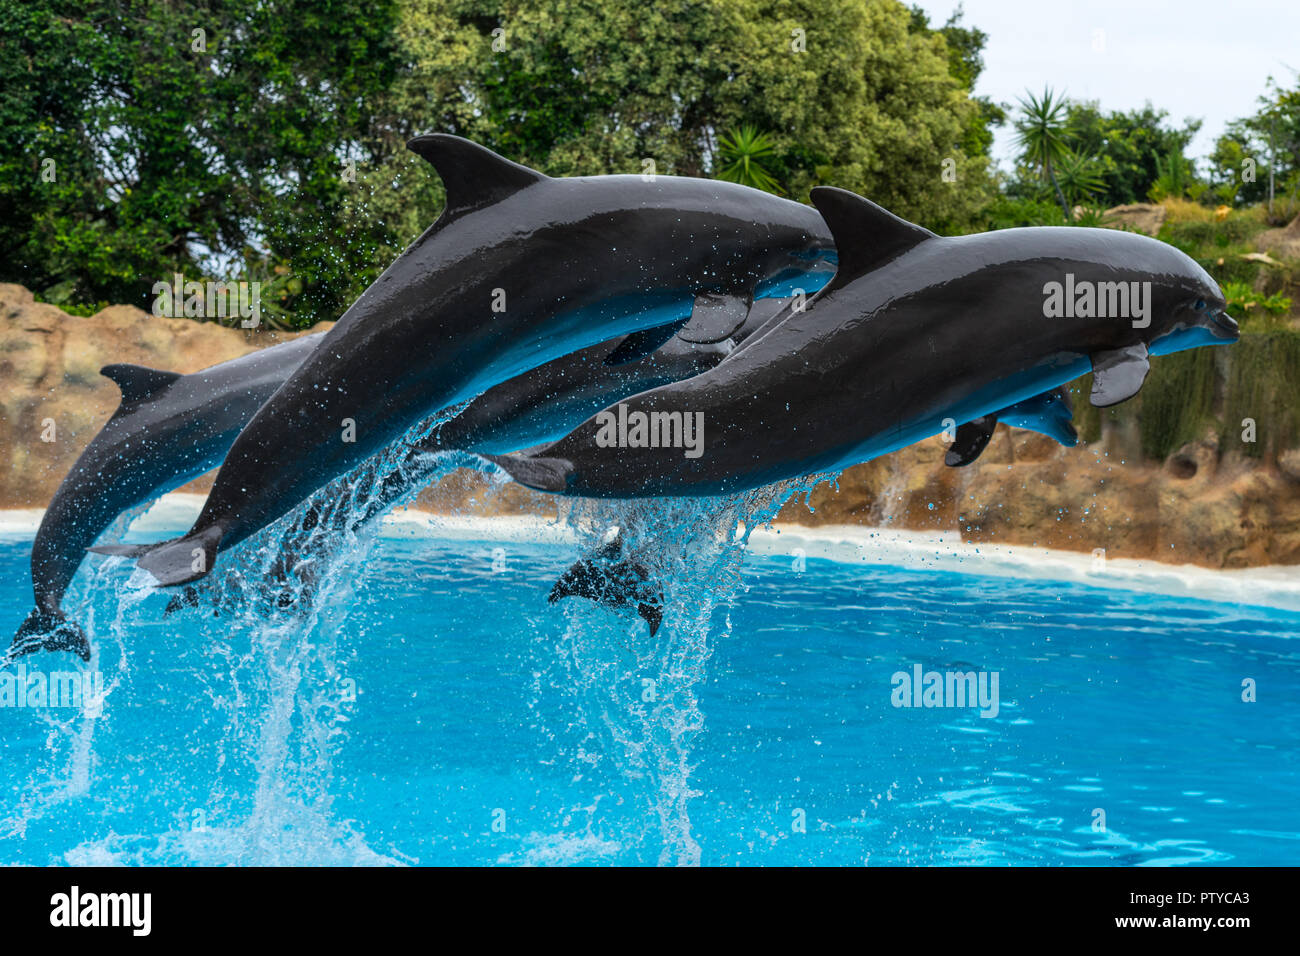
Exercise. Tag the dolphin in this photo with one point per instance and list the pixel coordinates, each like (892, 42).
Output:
(913, 330)
(546, 403)
(169, 429)
(518, 270)
(529, 410)
(213, 405)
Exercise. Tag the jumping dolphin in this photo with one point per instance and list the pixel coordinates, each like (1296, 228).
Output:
(548, 402)
(169, 429)
(528, 410)
(914, 329)
(519, 269)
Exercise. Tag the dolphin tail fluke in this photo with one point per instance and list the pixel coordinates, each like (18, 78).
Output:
(544, 474)
(178, 561)
(605, 579)
(49, 631)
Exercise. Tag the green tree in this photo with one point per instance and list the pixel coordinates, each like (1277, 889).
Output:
(184, 136)
(845, 91)
(1252, 147)
(1041, 135)
(1128, 145)
(966, 63)
(237, 159)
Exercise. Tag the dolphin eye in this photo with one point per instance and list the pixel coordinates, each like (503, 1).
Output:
(1200, 305)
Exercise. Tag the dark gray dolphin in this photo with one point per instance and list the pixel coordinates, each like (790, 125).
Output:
(173, 428)
(169, 429)
(519, 269)
(913, 330)
(548, 402)
(533, 408)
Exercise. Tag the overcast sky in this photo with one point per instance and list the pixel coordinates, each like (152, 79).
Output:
(1193, 58)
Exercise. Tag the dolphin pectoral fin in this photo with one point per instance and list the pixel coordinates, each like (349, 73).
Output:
(715, 317)
(544, 474)
(972, 438)
(138, 381)
(178, 561)
(639, 345)
(1118, 375)
(47, 631)
(1048, 414)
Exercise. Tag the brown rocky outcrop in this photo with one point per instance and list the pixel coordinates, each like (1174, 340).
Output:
(1283, 243)
(53, 399)
(1144, 217)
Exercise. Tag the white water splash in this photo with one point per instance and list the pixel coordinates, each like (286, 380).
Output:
(637, 710)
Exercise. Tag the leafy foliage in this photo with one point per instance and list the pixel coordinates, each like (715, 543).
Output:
(134, 146)
(234, 158)
(1079, 177)
(1128, 145)
(1245, 301)
(1175, 178)
(741, 152)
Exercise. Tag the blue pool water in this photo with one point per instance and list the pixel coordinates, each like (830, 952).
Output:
(433, 709)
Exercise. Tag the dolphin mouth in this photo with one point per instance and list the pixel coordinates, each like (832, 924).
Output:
(1227, 324)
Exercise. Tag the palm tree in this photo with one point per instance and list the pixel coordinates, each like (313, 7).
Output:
(740, 151)
(1040, 133)
(1078, 177)
(1173, 177)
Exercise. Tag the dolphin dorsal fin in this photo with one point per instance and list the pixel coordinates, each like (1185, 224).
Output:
(866, 235)
(137, 381)
(473, 175)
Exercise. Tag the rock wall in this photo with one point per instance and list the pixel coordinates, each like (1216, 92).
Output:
(53, 400)
(1198, 508)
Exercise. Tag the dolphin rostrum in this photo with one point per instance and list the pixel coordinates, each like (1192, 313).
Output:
(914, 330)
(169, 429)
(518, 270)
